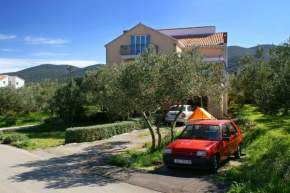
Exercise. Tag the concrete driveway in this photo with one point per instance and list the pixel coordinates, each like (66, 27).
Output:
(82, 168)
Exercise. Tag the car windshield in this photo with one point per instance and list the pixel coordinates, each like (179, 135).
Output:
(177, 108)
(207, 132)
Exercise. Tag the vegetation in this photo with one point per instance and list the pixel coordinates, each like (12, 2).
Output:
(140, 158)
(14, 138)
(51, 72)
(18, 140)
(59, 72)
(264, 82)
(151, 74)
(267, 145)
(98, 132)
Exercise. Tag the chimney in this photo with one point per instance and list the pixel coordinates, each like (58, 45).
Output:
(226, 37)
(125, 31)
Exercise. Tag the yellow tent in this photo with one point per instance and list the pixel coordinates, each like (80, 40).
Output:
(200, 114)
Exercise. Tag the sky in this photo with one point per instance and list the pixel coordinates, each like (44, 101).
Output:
(74, 32)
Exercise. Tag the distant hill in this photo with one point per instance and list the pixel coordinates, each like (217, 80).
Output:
(51, 72)
(58, 72)
(236, 52)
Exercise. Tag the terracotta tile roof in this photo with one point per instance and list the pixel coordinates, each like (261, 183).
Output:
(203, 40)
(3, 76)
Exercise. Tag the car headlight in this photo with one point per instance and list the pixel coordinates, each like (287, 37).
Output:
(201, 153)
(168, 151)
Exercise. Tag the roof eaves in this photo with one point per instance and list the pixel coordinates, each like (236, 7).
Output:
(135, 27)
(185, 28)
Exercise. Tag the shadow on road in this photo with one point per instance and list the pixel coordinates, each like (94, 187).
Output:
(89, 168)
(71, 171)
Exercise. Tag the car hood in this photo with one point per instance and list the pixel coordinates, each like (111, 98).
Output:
(192, 144)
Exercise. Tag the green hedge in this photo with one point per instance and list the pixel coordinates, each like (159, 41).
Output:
(98, 132)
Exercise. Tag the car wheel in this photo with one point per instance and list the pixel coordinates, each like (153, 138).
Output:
(238, 153)
(215, 165)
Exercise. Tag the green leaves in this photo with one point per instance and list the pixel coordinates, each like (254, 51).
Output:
(266, 82)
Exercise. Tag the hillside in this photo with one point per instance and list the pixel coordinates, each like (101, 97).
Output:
(51, 72)
(236, 52)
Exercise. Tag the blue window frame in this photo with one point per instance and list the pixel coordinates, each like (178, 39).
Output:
(139, 43)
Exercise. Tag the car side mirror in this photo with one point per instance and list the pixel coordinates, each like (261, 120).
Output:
(226, 138)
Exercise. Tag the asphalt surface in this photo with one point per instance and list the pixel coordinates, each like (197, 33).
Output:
(24, 172)
(82, 168)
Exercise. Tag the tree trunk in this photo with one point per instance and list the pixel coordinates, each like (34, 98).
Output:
(285, 112)
(174, 123)
(158, 129)
(153, 149)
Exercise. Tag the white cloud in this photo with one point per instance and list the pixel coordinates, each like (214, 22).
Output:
(47, 54)
(40, 40)
(7, 37)
(14, 65)
(8, 50)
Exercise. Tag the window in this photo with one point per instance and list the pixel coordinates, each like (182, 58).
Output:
(232, 128)
(4, 82)
(139, 43)
(177, 108)
(9, 82)
(205, 132)
(16, 83)
(225, 131)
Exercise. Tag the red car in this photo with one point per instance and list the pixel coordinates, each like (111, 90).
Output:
(204, 144)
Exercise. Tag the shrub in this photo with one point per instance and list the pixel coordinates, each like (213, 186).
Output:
(97, 132)
(22, 144)
(1, 135)
(14, 138)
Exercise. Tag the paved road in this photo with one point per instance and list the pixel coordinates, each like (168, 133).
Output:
(24, 172)
(18, 127)
(82, 168)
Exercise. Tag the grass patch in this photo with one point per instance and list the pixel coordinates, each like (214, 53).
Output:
(141, 158)
(31, 118)
(267, 143)
(45, 136)
(144, 134)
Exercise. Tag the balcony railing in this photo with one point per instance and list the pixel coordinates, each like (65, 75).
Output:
(135, 49)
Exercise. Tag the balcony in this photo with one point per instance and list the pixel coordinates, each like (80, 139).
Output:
(132, 51)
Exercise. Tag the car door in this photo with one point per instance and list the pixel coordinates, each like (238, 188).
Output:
(234, 137)
(226, 145)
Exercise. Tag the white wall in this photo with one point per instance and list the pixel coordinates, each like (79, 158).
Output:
(189, 31)
(15, 81)
(4, 82)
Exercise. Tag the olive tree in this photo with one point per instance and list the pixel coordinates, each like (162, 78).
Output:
(10, 103)
(139, 81)
(187, 76)
(103, 90)
(273, 93)
(247, 80)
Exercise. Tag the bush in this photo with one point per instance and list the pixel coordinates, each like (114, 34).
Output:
(15, 138)
(1, 135)
(97, 132)
(22, 144)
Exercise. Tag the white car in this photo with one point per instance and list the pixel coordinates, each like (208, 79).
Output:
(174, 110)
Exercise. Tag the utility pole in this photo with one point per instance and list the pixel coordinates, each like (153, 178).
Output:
(69, 74)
